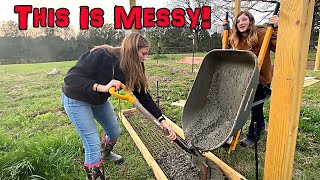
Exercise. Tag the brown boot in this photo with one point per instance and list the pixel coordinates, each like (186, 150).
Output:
(95, 172)
(108, 155)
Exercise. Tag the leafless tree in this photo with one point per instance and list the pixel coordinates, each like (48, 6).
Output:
(9, 29)
(184, 4)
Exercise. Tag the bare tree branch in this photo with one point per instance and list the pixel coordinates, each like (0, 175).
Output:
(258, 10)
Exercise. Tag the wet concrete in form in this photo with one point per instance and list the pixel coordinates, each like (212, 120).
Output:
(174, 162)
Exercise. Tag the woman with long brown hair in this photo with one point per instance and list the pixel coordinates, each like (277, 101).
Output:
(245, 35)
(86, 92)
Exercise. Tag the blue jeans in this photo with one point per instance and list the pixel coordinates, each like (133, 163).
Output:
(257, 114)
(82, 115)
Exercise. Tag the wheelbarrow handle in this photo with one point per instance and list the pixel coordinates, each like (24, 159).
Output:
(225, 36)
(267, 38)
(275, 11)
(226, 26)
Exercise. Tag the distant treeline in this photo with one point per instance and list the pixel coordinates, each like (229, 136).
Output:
(48, 47)
(62, 45)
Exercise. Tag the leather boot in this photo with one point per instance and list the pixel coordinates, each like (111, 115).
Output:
(95, 172)
(108, 155)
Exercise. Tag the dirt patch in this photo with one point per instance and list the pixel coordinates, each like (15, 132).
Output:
(188, 60)
(174, 162)
(310, 65)
(58, 112)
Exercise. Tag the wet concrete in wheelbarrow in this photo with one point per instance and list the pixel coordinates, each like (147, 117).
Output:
(213, 124)
(174, 162)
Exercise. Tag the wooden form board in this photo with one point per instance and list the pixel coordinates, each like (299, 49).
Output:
(308, 81)
(158, 173)
(317, 63)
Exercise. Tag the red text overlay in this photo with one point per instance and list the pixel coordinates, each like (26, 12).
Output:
(137, 18)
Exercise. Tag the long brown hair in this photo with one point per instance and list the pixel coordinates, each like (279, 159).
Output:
(252, 38)
(132, 68)
(110, 50)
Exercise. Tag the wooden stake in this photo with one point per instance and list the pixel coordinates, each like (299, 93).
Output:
(133, 3)
(290, 62)
(237, 5)
(316, 64)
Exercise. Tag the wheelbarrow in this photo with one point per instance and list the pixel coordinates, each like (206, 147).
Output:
(221, 97)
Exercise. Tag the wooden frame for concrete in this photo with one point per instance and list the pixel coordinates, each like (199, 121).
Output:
(316, 64)
(290, 62)
(228, 171)
(159, 174)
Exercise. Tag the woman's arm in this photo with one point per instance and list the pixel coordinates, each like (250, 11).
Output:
(147, 102)
(82, 77)
(79, 77)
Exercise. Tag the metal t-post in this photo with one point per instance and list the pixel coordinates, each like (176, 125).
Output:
(158, 98)
(158, 44)
(192, 53)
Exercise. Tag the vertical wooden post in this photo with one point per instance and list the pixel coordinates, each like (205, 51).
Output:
(290, 63)
(133, 3)
(316, 64)
(237, 5)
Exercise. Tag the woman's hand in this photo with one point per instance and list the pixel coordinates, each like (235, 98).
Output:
(172, 134)
(274, 20)
(225, 22)
(112, 83)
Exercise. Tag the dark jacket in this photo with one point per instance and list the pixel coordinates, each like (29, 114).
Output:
(100, 67)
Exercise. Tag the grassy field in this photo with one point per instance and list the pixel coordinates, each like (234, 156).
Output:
(38, 141)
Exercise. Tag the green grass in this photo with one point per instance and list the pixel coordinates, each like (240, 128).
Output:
(39, 142)
(311, 56)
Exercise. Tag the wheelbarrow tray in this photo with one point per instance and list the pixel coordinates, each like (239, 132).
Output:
(221, 97)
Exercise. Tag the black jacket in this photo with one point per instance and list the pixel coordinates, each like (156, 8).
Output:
(101, 67)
